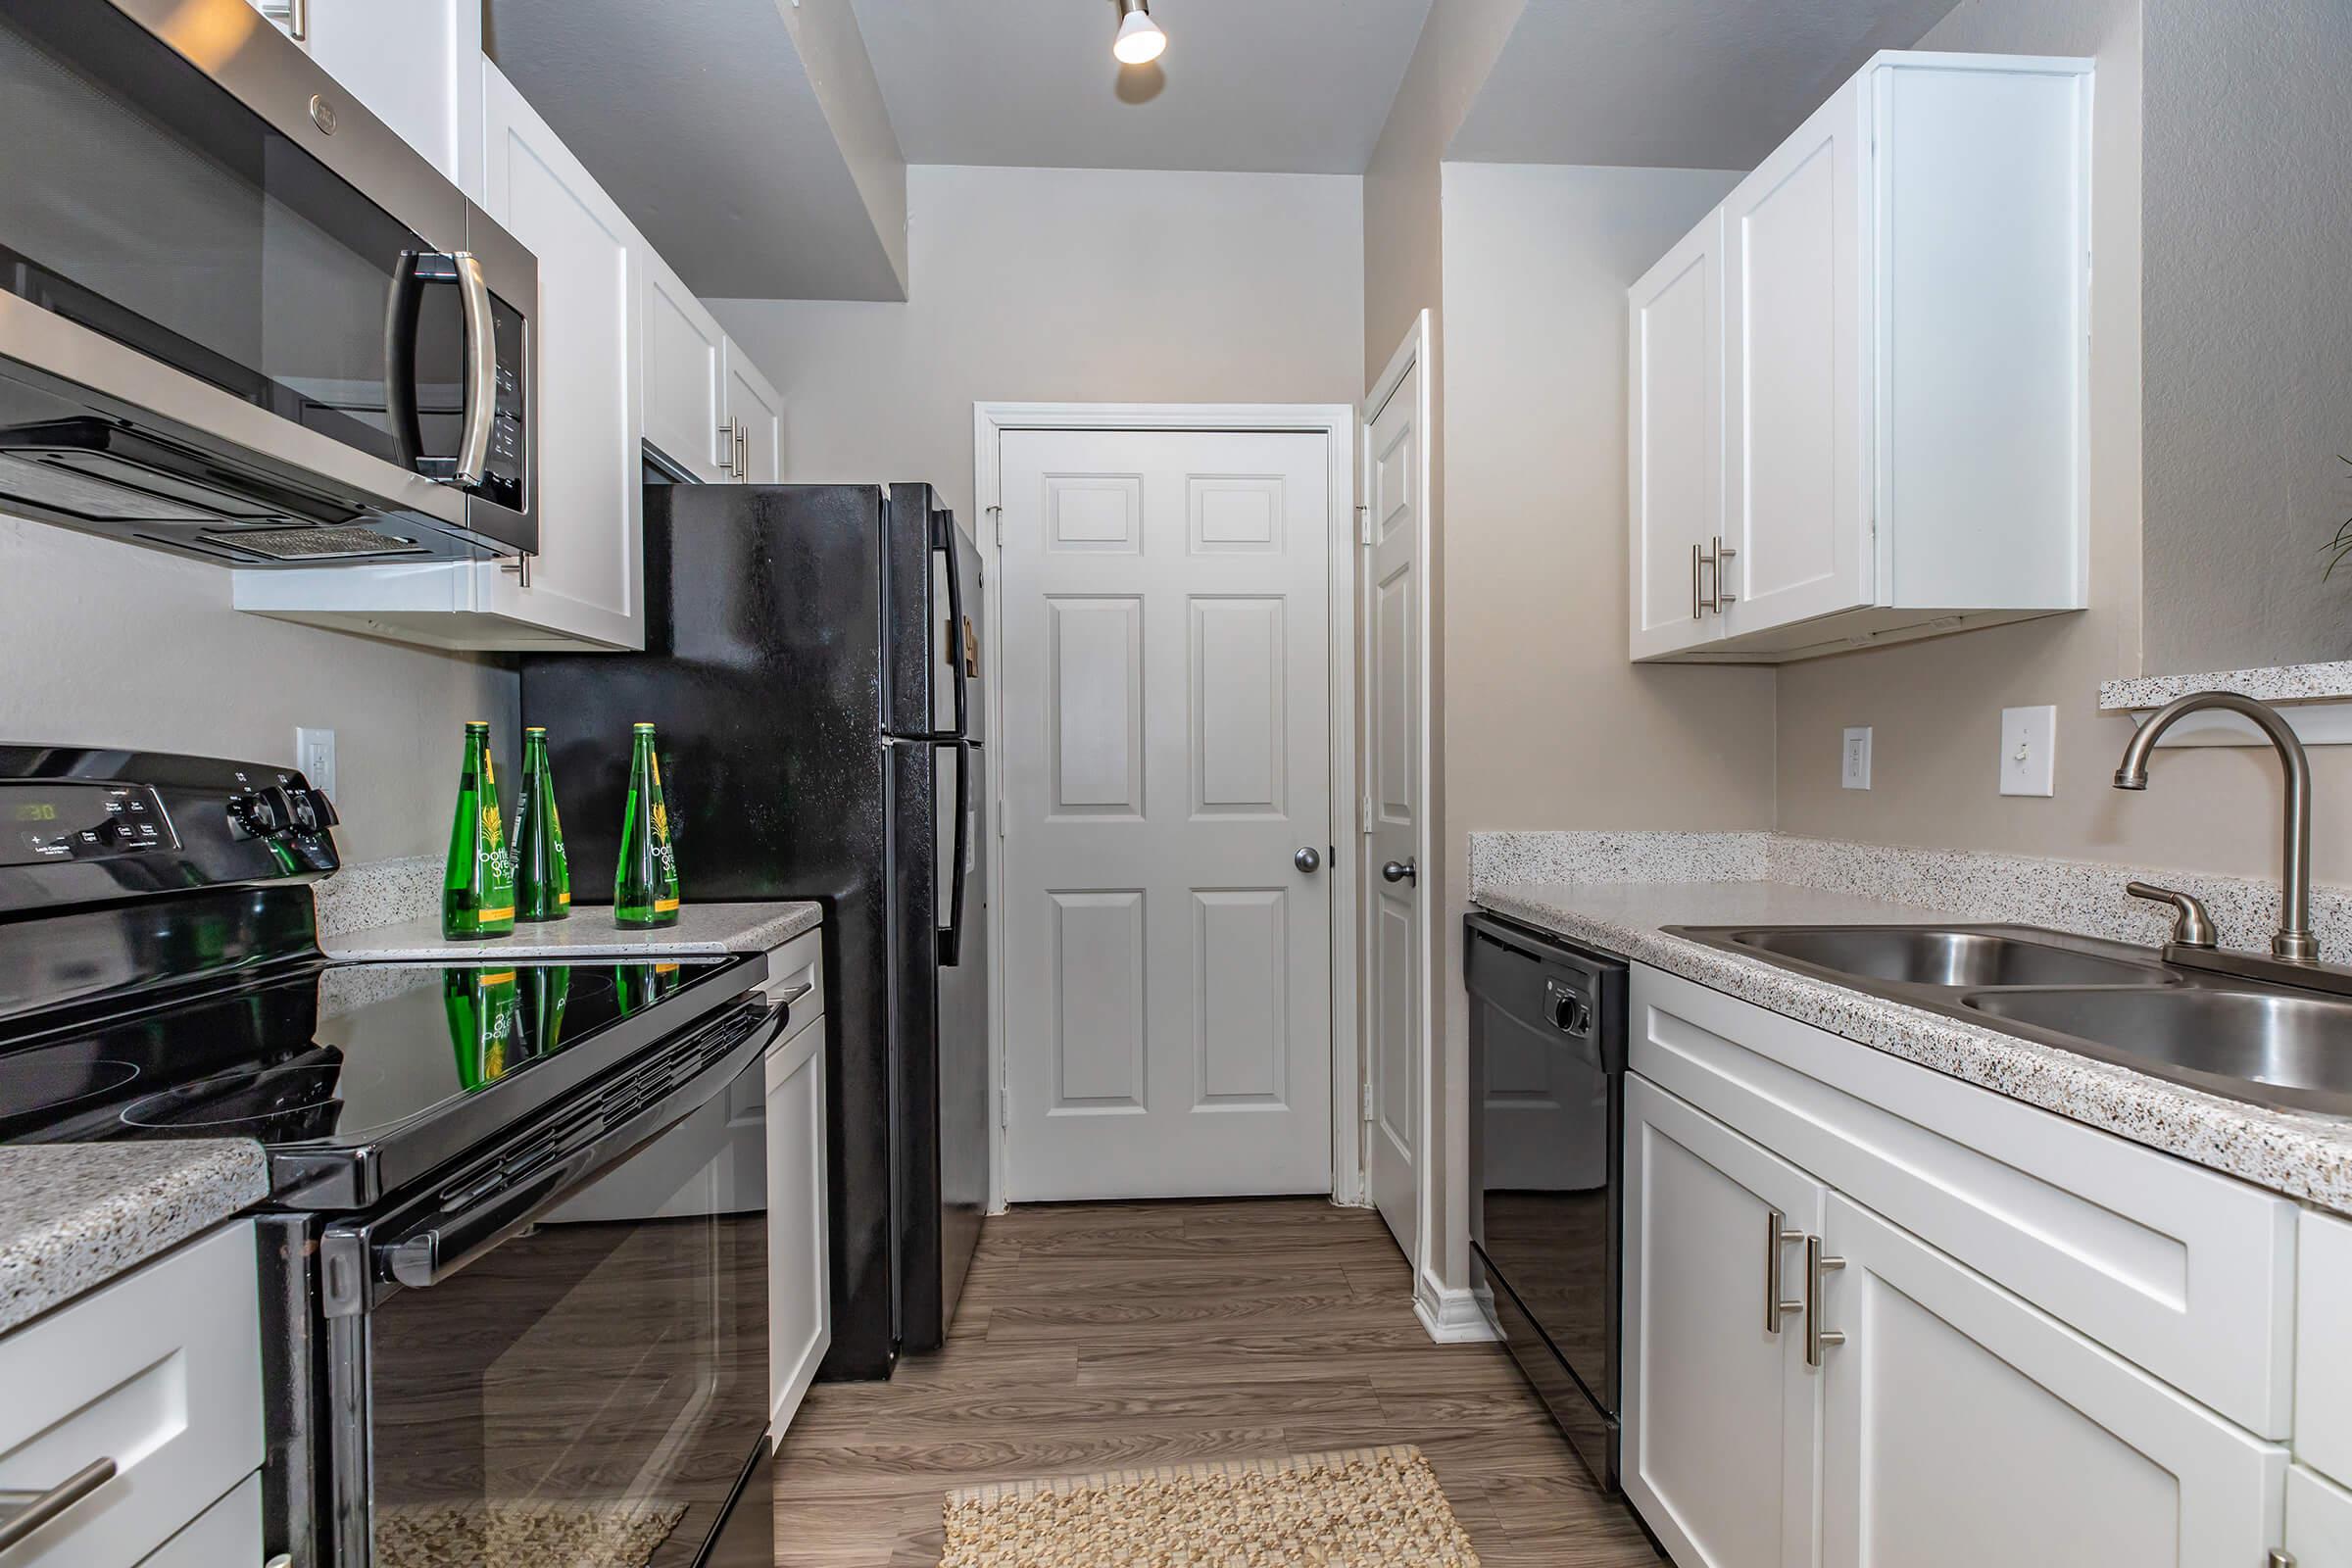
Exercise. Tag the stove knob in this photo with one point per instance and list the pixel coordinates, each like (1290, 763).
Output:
(240, 817)
(264, 814)
(313, 812)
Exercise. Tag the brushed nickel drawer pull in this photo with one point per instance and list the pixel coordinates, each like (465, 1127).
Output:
(27, 1511)
(1817, 1338)
(1775, 1237)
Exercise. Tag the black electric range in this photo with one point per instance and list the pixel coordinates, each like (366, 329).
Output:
(477, 1168)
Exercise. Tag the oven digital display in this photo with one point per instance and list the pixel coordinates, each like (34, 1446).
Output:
(65, 820)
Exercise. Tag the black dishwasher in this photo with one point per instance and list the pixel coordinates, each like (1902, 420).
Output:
(1548, 1042)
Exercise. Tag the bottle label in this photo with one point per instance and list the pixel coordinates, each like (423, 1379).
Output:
(487, 915)
(663, 906)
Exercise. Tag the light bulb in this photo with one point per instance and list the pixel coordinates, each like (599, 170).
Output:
(1140, 39)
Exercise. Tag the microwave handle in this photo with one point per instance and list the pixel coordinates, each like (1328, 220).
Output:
(481, 371)
(402, 310)
(403, 316)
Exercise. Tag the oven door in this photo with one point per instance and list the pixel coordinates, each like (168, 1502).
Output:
(577, 1374)
(239, 317)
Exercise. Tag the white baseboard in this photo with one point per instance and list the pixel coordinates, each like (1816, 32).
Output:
(1452, 1316)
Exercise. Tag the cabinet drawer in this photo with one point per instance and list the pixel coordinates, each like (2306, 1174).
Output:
(799, 1285)
(228, 1535)
(160, 1372)
(2185, 1272)
(799, 962)
(2319, 1521)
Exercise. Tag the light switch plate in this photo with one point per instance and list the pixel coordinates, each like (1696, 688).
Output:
(1854, 772)
(315, 755)
(2029, 751)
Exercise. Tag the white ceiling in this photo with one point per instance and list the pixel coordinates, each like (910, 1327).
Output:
(1673, 83)
(1277, 85)
(699, 120)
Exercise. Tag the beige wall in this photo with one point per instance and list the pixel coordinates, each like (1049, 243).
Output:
(2248, 315)
(110, 645)
(1546, 723)
(1068, 284)
(1936, 706)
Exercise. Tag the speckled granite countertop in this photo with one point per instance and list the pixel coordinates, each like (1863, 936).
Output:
(74, 1215)
(2301, 1155)
(590, 934)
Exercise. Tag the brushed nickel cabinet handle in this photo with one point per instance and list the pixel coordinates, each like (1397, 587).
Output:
(26, 1512)
(1709, 562)
(1817, 1338)
(726, 433)
(1697, 601)
(1775, 1237)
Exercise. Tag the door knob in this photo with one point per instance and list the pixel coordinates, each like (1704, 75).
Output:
(1309, 858)
(1401, 871)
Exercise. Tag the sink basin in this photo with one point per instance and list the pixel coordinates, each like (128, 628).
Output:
(2283, 1049)
(1955, 958)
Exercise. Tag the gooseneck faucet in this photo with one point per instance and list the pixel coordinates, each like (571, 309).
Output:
(2294, 943)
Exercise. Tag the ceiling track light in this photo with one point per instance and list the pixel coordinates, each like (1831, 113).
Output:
(1140, 40)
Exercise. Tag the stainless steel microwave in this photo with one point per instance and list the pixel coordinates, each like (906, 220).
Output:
(240, 318)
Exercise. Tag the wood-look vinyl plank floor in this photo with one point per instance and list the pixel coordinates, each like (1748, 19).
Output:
(1105, 1336)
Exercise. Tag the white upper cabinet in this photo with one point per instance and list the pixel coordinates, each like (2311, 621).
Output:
(1675, 475)
(416, 65)
(584, 587)
(685, 378)
(756, 419)
(1900, 379)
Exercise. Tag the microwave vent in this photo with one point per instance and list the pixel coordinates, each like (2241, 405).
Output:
(320, 544)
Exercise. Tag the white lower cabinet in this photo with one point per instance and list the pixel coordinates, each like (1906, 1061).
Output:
(800, 1258)
(159, 1373)
(2025, 1342)
(1961, 1428)
(1720, 1410)
(2319, 1521)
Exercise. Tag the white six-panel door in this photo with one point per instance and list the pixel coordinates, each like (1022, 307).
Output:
(1166, 711)
(1395, 445)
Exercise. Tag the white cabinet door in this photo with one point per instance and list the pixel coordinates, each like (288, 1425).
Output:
(1795, 476)
(586, 580)
(1673, 478)
(416, 65)
(1721, 1412)
(800, 1281)
(685, 377)
(2319, 1521)
(757, 416)
(1963, 1427)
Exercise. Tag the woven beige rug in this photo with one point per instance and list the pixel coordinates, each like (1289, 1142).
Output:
(1363, 1509)
(522, 1534)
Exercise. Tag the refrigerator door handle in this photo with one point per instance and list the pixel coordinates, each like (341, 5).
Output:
(950, 938)
(945, 542)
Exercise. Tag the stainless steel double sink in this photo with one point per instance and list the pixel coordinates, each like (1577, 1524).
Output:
(2267, 1045)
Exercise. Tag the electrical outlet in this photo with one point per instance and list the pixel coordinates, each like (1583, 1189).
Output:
(315, 755)
(1854, 771)
(2029, 751)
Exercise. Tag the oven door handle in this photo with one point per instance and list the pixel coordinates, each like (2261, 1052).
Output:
(453, 1237)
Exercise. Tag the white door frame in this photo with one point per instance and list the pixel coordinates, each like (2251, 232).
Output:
(1336, 424)
(1442, 1312)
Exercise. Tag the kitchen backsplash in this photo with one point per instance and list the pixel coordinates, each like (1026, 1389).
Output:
(2085, 897)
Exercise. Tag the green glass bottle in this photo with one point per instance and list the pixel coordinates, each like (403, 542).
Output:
(478, 886)
(485, 1023)
(645, 885)
(542, 872)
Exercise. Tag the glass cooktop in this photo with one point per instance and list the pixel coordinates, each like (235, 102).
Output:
(338, 1055)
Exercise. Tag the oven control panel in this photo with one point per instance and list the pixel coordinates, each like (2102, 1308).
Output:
(70, 821)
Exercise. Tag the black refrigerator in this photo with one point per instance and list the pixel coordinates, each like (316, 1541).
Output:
(812, 665)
